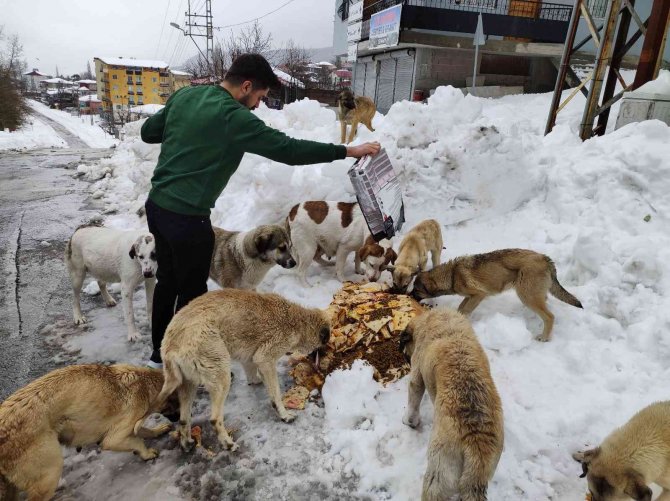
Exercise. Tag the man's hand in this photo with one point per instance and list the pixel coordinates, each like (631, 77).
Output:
(363, 149)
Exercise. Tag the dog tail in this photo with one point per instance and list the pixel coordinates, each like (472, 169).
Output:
(473, 483)
(557, 289)
(94, 222)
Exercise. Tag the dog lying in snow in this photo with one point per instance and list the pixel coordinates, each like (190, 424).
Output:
(112, 256)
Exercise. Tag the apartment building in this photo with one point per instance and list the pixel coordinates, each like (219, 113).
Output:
(124, 82)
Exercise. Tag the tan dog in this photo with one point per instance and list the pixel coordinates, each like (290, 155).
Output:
(75, 406)
(467, 436)
(530, 273)
(376, 257)
(631, 457)
(354, 110)
(413, 252)
(242, 259)
(220, 326)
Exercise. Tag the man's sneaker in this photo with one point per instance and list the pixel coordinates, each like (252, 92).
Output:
(155, 362)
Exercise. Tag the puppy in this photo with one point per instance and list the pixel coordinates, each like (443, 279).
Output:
(331, 228)
(242, 259)
(530, 273)
(631, 457)
(467, 436)
(376, 257)
(354, 110)
(220, 326)
(74, 406)
(413, 252)
(111, 255)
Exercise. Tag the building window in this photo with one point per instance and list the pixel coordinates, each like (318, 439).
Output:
(130, 89)
(118, 106)
(153, 79)
(343, 10)
(114, 77)
(140, 101)
(138, 80)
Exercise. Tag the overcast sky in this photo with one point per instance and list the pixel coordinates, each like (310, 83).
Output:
(68, 33)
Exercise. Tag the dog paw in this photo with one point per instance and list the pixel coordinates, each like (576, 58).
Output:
(542, 339)
(79, 320)
(231, 446)
(133, 336)
(187, 444)
(150, 454)
(111, 302)
(288, 417)
(411, 421)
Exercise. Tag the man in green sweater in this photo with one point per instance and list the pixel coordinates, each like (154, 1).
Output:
(204, 133)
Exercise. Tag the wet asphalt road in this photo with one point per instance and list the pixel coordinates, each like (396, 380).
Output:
(41, 203)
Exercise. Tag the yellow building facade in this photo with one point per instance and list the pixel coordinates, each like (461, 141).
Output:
(126, 82)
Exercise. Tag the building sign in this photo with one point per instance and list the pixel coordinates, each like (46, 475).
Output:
(352, 52)
(385, 28)
(354, 31)
(356, 12)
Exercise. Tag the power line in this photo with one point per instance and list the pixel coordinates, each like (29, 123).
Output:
(254, 19)
(162, 28)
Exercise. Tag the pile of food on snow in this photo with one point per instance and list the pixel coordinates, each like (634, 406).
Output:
(366, 323)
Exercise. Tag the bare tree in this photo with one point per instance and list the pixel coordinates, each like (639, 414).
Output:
(250, 40)
(87, 75)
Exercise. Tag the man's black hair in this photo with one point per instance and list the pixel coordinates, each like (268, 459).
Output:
(252, 67)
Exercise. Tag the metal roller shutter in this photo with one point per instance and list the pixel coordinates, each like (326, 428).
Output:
(403, 78)
(370, 80)
(359, 79)
(385, 84)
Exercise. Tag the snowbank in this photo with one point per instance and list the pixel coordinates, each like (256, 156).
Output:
(484, 169)
(32, 135)
(81, 127)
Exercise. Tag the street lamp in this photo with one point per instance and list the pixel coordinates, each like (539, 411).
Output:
(175, 25)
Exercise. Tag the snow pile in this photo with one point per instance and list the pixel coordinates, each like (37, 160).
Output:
(81, 127)
(34, 134)
(659, 86)
(484, 169)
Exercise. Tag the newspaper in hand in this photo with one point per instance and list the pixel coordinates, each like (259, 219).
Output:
(379, 194)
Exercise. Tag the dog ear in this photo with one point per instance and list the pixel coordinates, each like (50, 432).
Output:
(262, 243)
(636, 488)
(389, 257)
(363, 252)
(132, 253)
(585, 458)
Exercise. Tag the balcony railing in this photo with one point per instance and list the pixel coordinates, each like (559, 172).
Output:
(164, 84)
(533, 19)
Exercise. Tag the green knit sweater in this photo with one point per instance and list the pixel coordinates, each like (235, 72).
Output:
(204, 134)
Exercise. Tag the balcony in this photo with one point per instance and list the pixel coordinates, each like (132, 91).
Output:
(164, 94)
(139, 92)
(531, 19)
(164, 84)
(131, 92)
(138, 82)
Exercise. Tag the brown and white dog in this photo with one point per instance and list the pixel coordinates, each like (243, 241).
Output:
(354, 110)
(425, 237)
(376, 257)
(331, 228)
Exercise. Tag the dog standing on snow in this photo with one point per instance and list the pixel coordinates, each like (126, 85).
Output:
(467, 436)
(112, 256)
(330, 228)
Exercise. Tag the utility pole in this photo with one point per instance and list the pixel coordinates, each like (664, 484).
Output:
(196, 28)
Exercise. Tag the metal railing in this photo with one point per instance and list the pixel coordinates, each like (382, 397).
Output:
(516, 8)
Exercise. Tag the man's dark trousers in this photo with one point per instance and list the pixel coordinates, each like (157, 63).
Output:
(184, 246)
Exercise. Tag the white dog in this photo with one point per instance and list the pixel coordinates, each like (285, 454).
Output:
(331, 228)
(112, 256)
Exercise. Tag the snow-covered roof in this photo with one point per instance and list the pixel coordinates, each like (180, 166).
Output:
(181, 73)
(91, 97)
(57, 80)
(35, 73)
(83, 88)
(325, 63)
(285, 78)
(131, 61)
(147, 109)
(85, 81)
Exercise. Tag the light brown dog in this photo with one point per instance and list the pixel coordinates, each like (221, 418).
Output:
(413, 252)
(530, 273)
(354, 110)
(242, 259)
(631, 457)
(467, 436)
(220, 326)
(74, 406)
